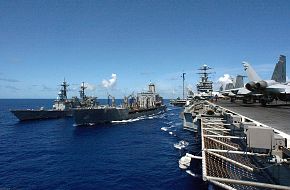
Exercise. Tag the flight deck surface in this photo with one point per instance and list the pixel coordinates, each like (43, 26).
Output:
(274, 115)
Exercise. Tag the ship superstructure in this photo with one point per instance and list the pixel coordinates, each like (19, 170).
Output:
(149, 99)
(204, 87)
(62, 102)
(86, 101)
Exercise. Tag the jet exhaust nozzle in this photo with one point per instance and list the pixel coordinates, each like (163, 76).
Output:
(261, 85)
(251, 86)
(264, 84)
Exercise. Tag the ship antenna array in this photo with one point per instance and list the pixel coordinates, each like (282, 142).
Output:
(64, 89)
(204, 72)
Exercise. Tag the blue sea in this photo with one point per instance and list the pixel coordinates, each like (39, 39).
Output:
(55, 154)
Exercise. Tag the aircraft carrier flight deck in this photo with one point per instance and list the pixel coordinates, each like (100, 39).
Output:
(274, 115)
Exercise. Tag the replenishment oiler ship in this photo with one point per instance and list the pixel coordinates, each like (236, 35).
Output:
(146, 103)
(62, 106)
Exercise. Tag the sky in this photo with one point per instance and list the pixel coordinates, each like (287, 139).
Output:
(119, 47)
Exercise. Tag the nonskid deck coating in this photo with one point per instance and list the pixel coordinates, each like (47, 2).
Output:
(276, 116)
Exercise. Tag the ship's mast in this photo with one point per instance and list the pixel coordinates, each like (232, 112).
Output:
(183, 78)
(82, 91)
(63, 91)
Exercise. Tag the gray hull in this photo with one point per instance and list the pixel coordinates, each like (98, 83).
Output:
(23, 115)
(105, 115)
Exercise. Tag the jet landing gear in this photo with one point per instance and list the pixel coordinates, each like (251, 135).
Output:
(265, 100)
(247, 99)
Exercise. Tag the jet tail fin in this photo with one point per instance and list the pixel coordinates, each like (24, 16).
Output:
(239, 81)
(279, 74)
(252, 75)
(229, 86)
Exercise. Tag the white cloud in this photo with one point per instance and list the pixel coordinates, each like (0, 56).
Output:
(224, 80)
(111, 82)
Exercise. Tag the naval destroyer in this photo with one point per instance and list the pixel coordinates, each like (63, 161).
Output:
(144, 104)
(62, 106)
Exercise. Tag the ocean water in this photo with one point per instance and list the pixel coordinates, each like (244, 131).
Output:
(55, 154)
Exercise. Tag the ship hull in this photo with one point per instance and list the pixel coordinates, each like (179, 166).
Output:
(24, 115)
(90, 116)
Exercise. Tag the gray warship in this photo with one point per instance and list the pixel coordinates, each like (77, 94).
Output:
(62, 106)
(144, 104)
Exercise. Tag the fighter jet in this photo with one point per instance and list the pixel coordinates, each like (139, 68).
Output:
(231, 89)
(252, 90)
(276, 88)
(240, 91)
